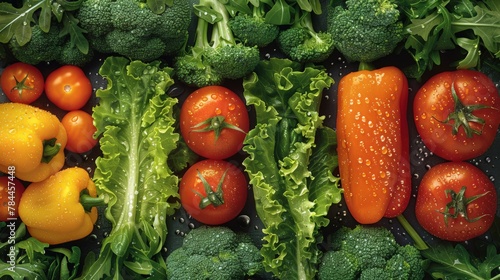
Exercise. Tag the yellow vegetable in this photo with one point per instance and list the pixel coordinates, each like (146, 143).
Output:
(32, 142)
(61, 208)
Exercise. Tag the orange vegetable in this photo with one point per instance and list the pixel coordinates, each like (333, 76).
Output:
(373, 144)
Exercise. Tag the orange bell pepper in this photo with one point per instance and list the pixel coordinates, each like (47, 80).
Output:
(373, 143)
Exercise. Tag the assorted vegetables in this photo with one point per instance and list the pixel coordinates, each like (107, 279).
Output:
(373, 143)
(269, 146)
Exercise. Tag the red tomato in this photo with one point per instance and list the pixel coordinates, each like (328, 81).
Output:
(80, 130)
(22, 82)
(11, 190)
(456, 201)
(68, 87)
(457, 114)
(213, 191)
(214, 122)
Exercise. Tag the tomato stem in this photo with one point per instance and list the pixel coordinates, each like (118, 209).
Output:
(21, 85)
(216, 124)
(214, 198)
(50, 149)
(459, 205)
(463, 116)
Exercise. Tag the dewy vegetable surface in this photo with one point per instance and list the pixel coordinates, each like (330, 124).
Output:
(135, 119)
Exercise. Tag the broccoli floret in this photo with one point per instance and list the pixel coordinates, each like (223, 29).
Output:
(49, 46)
(250, 25)
(369, 252)
(365, 30)
(70, 54)
(215, 51)
(338, 265)
(302, 43)
(413, 257)
(369, 243)
(130, 28)
(214, 253)
(43, 46)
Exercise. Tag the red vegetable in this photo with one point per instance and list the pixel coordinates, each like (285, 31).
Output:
(80, 129)
(214, 122)
(457, 114)
(213, 191)
(68, 87)
(373, 145)
(456, 201)
(11, 190)
(22, 82)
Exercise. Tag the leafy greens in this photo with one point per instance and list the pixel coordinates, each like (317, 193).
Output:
(135, 118)
(291, 157)
(439, 25)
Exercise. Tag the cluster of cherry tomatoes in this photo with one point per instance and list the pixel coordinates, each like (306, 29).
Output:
(214, 122)
(67, 87)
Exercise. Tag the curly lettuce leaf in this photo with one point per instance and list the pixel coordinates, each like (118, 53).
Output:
(292, 194)
(135, 119)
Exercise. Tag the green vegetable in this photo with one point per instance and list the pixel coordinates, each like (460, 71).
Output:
(436, 26)
(15, 23)
(214, 253)
(447, 260)
(215, 55)
(365, 30)
(369, 252)
(49, 46)
(136, 122)
(302, 42)
(33, 259)
(251, 23)
(132, 29)
(292, 194)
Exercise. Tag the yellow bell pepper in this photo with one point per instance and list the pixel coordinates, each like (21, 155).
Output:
(62, 207)
(32, 142)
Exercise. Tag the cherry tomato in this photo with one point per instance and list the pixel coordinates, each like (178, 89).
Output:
(11, 190)
(456, 201)
(213, 191)
(22, 82)
(80, 130)
(457, 114)
(68, 87)
(214, 122)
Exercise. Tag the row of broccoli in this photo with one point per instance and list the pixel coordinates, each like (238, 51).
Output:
(225, 38)
(362, 252)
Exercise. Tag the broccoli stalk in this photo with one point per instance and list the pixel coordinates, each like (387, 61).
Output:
(302, 43)
(215, 55)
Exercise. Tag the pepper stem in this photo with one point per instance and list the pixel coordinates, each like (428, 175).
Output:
(88, 201)
(419, 242)
(50, 149)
